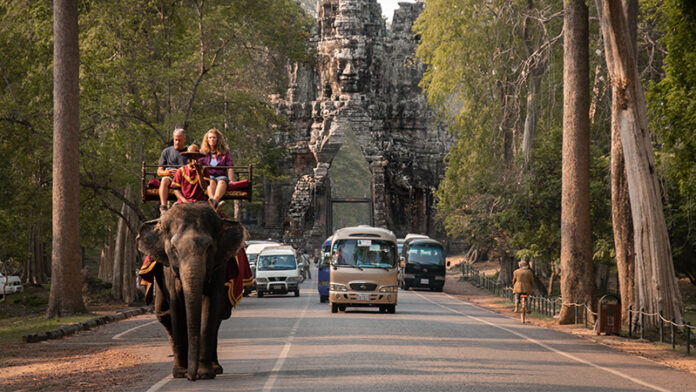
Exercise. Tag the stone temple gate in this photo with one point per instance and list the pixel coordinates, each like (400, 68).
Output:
(365, 82)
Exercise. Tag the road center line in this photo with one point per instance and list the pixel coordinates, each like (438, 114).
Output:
(118, 336)
(525, 337)
(284, 353)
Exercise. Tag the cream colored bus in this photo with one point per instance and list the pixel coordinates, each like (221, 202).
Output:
(364, 269)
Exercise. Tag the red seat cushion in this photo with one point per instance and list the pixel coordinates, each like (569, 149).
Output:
(238, 184)
(153, 183)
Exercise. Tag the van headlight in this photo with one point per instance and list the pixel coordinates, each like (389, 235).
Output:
(293, 279)
(389, 289)
(338, 287)
(261, 280)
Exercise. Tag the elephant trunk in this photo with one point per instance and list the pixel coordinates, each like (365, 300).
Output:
(192, 284)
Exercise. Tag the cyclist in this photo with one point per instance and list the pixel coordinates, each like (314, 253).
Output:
(522, 282)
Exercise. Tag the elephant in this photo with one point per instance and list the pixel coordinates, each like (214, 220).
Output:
(192, 246)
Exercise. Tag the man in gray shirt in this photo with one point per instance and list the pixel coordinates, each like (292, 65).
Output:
(169, 163)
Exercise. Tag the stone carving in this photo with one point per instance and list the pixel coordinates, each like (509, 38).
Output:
(365, 80)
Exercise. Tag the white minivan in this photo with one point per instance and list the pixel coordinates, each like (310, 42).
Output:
(10, 285)
(277, 271)
(252, 252)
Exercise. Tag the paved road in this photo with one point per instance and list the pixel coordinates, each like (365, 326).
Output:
(434, 342)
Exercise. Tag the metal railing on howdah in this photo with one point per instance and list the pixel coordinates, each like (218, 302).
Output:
(680, 334)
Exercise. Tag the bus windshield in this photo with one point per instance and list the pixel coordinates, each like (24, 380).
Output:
(276, 262)
(365, 253)
(424, 254)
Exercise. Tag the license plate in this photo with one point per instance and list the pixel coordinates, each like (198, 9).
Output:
(363, 297)
(425, 281)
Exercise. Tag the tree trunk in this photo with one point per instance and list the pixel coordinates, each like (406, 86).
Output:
(106, 264)
(66, 286)
(577, 282)
(120, 251)
(507, 267)
(530, 121)
(130, 255)
(36, 264)
(620, 201)
(656, 286)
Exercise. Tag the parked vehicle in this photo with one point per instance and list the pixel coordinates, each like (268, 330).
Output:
(10, 285)
(252, 251)
(277, 271)
(422, 264)
(364, 269)
(323, 273)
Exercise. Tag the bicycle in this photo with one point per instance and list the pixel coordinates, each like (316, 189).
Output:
(523, 306)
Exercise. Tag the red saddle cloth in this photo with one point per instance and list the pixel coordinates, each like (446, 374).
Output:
(154, 183)
(238, 275)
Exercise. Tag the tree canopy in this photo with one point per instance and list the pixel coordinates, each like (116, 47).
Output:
(146, 67)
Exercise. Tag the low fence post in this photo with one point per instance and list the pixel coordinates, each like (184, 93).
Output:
(688, 339)
(554, 308)
(661, 328)
(674, 333)
(642, 323)
(576, 314)
(630, 321)
(585, 317)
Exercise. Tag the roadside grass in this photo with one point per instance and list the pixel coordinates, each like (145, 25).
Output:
(12, 329)
(25, 313)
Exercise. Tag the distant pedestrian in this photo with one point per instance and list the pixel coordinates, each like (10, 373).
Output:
(304, 258)
(522, 282)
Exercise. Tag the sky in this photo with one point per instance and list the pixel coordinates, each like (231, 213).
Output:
(388, 7)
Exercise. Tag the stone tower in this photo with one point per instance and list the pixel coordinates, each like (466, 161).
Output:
(366, 81)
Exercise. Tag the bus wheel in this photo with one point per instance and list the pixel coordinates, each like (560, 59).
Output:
(382, 309)
(342, 308)
(334, 308)
(391, 309)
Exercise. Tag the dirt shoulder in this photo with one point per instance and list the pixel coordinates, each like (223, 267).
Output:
(661, 353)
(86, 361)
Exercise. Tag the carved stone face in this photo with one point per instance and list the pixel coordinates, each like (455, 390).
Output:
(349, 78)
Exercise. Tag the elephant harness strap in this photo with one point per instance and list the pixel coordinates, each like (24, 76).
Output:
(238, 275)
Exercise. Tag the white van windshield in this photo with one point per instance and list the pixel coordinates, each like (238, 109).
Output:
(365, 253)
(424, 254)
(276, 262)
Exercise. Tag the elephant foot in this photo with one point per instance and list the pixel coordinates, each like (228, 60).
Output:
(217, 367)
(207, 372)
(178, 372)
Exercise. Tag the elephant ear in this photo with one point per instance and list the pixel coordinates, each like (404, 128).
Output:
(230, 239)
(150, 241)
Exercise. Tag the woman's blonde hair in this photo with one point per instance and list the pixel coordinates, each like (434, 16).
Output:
(221, 144)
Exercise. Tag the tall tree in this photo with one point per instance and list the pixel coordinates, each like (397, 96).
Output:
(622, 224)
(66, 289)
(577, 281)
(656, 286)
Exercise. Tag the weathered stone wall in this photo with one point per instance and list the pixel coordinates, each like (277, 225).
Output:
(365, 80)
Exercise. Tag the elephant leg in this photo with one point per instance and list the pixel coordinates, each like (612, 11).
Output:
(162, 309)
(208, 353)
(177, 316)
(164, 316)
(225, 311)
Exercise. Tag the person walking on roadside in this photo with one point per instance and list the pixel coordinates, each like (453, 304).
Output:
(306, 265)
(522, 282)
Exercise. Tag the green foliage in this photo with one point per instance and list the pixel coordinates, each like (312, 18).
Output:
(146, 68)
(672, 109)
(478, 63)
